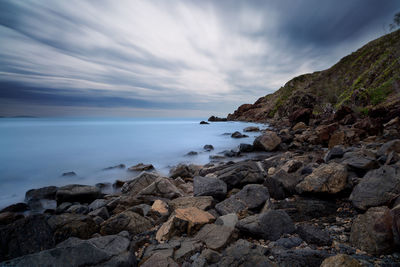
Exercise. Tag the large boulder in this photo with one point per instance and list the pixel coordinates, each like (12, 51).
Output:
(208, 186)
(328, 178)
(251, 197)
(126, 221)
(372, 231)
(77, 193)
(48, 192)
(267, 142)
(378, 187)
(110, 250)
(215, 236)
(242, 173)
(269, 225)
(282, 184)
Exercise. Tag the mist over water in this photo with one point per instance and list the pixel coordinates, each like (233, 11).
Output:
(35, 152)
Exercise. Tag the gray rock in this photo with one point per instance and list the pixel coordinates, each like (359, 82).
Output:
(388, 147)
(361, 163)
(251, 129)
(202, 202)
(335, 152)
(77, 193)
(63, 207)
(246, 148)
(167, 249)
(289, 242)
(40, 205)
(238, 135)
(48, 192)
(159, 259)
(269, 225)
(378, 187)
(126, 221)
(215, 236)
(78, 209)
(102, 212)
(142, 209)
(267, 142)
(208, 147)
(69, 174)
(229, 220)
(240, 174)
(314, 235)
(143, 180)
(97, 204)
(186, 250)
(299, 257)
(207, 186)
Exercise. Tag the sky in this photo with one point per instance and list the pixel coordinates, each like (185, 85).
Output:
(154, 58)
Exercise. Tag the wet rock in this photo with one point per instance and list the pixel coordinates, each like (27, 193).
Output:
(229, 220)
(251, 129)
(251, 197)
(289, 242)
(48, 192)
(267, 142)
(140, 182)
(126, 221)
(388, 147)
(269, 225)
(243, 253)
(201, 202)
(141, 167)
(191, 153)
(340, 260)
(246, 148)
(372, 231)
(77, 193)
(100, 251)
(359, 162)
(378, 187)
(238, 135)
(69, 174)
(215, 118)
(25, 236)
(207, 186)
(215, 236)
(242, 173)
(328, 178)
(162, 187)
(231, 153)
(299, 257)
(208, 147)
(313, 235)
(18, 207)
(333, 153)
(186, 220)
(204, 122)
(119, 166)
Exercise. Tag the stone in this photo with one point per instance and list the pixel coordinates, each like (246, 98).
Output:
(269, 225)
(167, 249)
(140, 182)
(360, 163)
(77, 193)
(160, 207)
(238, 135)
(241, 173)
(337, 138)
(215, 236)
(100, 251)
(119, 166)
(299, 257)
(327, 178)
(267, 142)
(186, 250)
(18, 207)
(69, 174)
(159, 259)
(340, 260)
(388, 147)
(191, 153)
(183, 171)
(78, 209)
(101, 212)
(204, 122)
(246, 148)
(207, 186)
(186, 220)
(251, 129)
(243, 253)
(292, 166)
(141, 209)
(314, 235)
(162, 187)
(141, 167)
(323, 132)
(378, 187)
(97, 204)
(300, 115)
(282, 184)
(126, 221)
(251, 197)
(63, 207)
(48, 192)
(372, 231)
(202, 202)
(299, 126)
(289, 242)
(333, 153)
(8, 217)
(208, 148)
(229, 220)
(215, 118)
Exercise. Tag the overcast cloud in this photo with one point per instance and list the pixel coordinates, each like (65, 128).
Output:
(170, 58)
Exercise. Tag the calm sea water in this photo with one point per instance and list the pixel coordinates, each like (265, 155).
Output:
(35, 152)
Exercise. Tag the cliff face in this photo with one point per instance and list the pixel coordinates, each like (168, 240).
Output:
(363, 80)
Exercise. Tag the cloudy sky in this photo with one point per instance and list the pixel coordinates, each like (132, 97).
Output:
(170, 58)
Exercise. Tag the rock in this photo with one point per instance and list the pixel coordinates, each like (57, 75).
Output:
(202, 202)
(101, 212)
(388, 147)
(314, 235)
(299, 257)
(251, 129)
(372, 231)
(360, 162)
(100, 251)
(300, 115)
(24, 236)
(18, 207)
(204, 122)
(162, 187)
(214, 118)
(63, 207)
(251, 197)
(69, 174)
(340, 260)
(183, 171)
(141, 167)
(160, 208)
(167, 249)
(333, 153)
(342, 112)
(72, 225)
(372, 126)
(141, 209)
(207, 186)
(48, 192)
(328, 178)
(238, 135)
(323, 132)
(97, 204)
(282, 184)
(240, 174)
(119, 166)
(186, 220)
(229, 220)
(292, 166)
(78, 209)
(208, 147)
(289, 242)
(191, 153)
(231, 153)
(77, 193)
(41, 205)
(140, 182)
(246, 148)
(159, 260)
(378, 187)
(269, 225)
(186, 250)
(299, 126)
(8, 217)
(243, 253)
(267, 142)
(215, 236)
(126, 221)
(337, 138)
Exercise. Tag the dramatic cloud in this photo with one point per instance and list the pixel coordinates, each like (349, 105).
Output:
(170, 57)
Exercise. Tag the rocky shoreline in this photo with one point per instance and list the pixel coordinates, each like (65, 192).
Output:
(326, 194)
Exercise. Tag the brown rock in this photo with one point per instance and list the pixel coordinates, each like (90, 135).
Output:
(299, 126)
(202, 202)
(158, 260)
(141, 167)
(324, 132)
(162, 187)
(138, 183)
(160, 207)
(340, 260)
(300, 115)
(337, 138)
(268, 141)
(215, 236)
(127, 220)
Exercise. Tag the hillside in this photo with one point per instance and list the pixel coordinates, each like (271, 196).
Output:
(365, 79)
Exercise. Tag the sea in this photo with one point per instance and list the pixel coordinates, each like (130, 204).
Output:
(35, 152)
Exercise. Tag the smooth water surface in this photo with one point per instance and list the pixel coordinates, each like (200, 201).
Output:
(35, 152)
